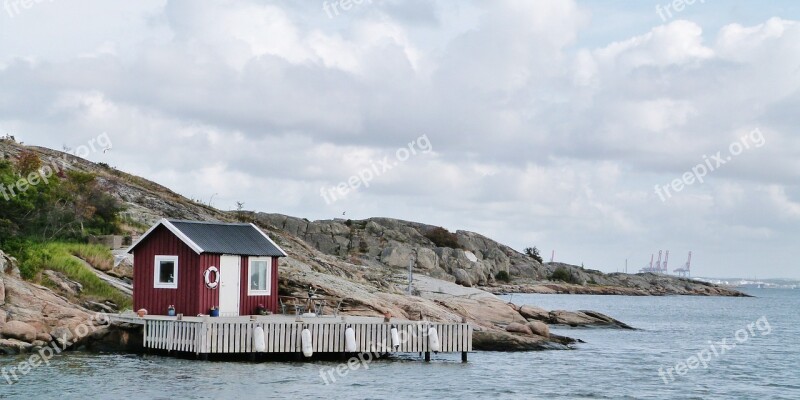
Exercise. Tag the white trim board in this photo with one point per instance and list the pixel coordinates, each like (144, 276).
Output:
(268, 238)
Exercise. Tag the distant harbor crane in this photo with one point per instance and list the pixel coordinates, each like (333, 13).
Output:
(685, 272)
(650, 267)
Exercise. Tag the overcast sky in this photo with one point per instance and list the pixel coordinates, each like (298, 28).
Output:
(546, 123)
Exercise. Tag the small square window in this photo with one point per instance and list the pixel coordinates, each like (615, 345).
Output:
(260, 276)
(166, 272)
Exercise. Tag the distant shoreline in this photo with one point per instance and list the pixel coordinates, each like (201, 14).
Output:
(691, 288)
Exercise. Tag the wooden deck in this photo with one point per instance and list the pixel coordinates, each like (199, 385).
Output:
(282, 334)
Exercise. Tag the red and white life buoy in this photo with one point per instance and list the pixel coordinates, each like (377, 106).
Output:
(207, 275)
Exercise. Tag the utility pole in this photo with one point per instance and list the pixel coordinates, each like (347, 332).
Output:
(411, 274)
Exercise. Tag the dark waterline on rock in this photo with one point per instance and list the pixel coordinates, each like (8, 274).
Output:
(611, 364)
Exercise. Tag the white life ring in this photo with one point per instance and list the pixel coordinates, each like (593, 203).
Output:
(207, 275)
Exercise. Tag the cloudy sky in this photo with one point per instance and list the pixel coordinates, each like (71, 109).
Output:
(546, 123)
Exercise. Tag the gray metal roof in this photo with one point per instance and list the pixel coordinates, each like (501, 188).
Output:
(221, 238)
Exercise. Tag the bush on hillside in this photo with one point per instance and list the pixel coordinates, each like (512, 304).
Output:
(564, 275)
(533, 253)
(443, 238)
(503, 276)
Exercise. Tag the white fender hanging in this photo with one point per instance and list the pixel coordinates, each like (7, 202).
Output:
(433, 340)
(258, 339)
(395, 338)
(350, 340)
(211, 284)
(308, 348)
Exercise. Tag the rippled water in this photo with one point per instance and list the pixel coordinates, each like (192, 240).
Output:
(613, 364)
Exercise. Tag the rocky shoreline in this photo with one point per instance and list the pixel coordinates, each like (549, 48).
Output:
(34, 317)
(687, 288)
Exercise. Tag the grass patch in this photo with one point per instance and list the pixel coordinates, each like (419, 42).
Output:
(58, 256)
(96, 255)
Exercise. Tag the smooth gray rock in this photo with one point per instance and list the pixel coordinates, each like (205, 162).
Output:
(516, 327)
(539, 328)
(462, 277)
(18, 330)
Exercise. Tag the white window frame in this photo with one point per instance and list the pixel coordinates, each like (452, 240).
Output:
(157, 273)
(250, 291)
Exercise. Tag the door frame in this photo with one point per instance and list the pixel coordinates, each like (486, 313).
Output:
(231, 282)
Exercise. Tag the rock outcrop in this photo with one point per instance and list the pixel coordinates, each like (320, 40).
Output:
(539, 317)
(393, 244)
(33, 316)
(492, 340)
(539, 328)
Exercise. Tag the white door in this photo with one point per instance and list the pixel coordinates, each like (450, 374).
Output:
(229, 278)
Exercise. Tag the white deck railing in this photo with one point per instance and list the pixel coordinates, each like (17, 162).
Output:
(284, 337)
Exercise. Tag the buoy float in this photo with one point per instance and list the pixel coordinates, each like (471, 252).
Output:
(308, 348)
(433, 339)
(349, 340)
(211, 283)
(258, 339)
(395, 338)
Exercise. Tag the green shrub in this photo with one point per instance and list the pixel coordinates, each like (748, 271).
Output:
(443, 238)
(565, 275)
(533, 253)
(66, 206)
(503, 276)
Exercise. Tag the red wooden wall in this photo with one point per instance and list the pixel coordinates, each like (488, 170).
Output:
(207, 298)
(248, 304)
(161, 242)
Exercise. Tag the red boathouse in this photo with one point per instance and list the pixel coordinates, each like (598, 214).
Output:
(195, 266)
